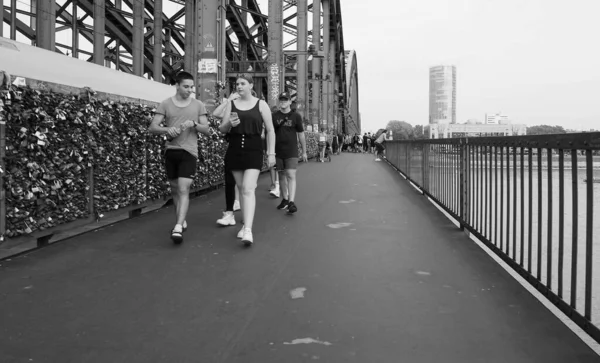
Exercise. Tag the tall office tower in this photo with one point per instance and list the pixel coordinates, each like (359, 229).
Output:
(442, 95)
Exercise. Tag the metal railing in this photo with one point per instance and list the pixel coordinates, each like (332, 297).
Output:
(530, 199)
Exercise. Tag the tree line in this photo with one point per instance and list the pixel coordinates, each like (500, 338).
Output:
(402, 130)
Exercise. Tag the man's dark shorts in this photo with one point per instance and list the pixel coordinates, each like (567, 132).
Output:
(179, 164)
(286, 164)
(379, 147)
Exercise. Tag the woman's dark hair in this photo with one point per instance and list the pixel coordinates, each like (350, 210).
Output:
(246, 76)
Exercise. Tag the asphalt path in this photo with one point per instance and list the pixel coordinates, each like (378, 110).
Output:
(367, 271)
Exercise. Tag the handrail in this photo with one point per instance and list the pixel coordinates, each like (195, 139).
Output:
(517, 195)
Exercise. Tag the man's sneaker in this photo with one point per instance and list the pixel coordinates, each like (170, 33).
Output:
(241, 232)
(275, 192)
(378, 159)
(177, 234)
(283, 205)
(227, 220)
(292, 207)
(247, 239)
(236, 206)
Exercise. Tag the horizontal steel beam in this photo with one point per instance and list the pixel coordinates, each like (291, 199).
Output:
(253, 12)
(21, 26)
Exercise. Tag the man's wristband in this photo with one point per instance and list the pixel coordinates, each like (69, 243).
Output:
(269, 154)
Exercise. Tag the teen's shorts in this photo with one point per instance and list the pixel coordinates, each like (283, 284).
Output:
(179, 164)
(286, 164)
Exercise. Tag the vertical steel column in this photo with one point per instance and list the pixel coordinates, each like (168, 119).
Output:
(316, 64)
(74, 32)
(207, 29)
(157, 54)
(276, 82)
(222, 44)
(52, 26)
(190, 40)
(13, 19)
(327, 85)
(32, 19)
(137, 45)
(332, 94)
(99, 29)
(44, 26)
(244, 42)
(118, 5)
(302, 71)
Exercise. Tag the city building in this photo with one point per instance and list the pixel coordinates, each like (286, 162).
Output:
(442, 95)
(448, 131)
(496, 119)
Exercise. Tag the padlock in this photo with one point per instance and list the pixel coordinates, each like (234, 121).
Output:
(7, 99)
(16, 96)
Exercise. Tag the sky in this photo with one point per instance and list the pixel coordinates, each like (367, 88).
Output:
(536, 61)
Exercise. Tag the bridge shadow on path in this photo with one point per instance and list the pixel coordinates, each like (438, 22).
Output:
(366, 271)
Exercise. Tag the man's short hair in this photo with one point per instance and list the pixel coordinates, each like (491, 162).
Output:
(182, 76)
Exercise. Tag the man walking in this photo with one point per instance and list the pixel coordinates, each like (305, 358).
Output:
(288, 129)
(184, 117)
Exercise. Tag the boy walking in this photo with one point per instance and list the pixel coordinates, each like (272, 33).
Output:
(184, 117)
(288, 129)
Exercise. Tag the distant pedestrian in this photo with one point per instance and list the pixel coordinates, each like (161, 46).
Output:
(380, 144)
(322, 144)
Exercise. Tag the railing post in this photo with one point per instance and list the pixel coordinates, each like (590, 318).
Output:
(426, 169)
(464, 202)
(408, 174)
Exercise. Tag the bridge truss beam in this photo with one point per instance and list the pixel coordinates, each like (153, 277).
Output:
(137, 36)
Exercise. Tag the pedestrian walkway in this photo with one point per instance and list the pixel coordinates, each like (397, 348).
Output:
(367, 271)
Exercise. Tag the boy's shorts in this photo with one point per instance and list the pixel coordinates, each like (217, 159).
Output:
(286, 164)
(179, 164)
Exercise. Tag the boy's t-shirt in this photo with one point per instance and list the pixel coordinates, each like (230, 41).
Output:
(287, 126)
(175, 116)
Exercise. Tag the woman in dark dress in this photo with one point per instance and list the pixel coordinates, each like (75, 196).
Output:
(245, 117)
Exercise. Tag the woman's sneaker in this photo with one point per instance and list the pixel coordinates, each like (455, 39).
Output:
(283, 205)
(177, 234)
(247, 239)
(227, 220)
(241, 232)
(275, 192)
(292, 208)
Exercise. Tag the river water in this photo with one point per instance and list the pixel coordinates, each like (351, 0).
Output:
(487, 202)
